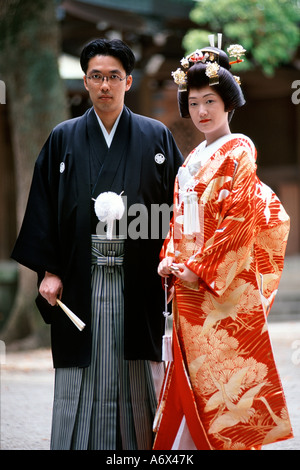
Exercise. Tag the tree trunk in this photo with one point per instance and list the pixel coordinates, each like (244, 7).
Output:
(29, 40)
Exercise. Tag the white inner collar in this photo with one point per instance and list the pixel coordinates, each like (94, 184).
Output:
(108, 136)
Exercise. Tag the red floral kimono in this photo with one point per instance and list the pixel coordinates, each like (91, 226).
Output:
(223, 385)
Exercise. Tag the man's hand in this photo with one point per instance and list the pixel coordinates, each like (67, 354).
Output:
(51, 288)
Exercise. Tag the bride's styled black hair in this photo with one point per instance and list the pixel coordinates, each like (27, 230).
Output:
(227, 87)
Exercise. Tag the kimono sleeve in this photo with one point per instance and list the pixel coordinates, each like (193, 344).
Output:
(37, 245)
(232, 212)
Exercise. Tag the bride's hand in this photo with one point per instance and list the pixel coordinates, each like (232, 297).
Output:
(164, 267)
(182, 272)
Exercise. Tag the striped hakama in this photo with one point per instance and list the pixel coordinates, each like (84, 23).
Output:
(110, 404)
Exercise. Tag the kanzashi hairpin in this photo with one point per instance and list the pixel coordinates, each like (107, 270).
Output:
(210, 57)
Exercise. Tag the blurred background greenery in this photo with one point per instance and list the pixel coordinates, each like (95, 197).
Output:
(267, 29)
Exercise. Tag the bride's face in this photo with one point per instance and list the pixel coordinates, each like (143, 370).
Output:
(207, 111)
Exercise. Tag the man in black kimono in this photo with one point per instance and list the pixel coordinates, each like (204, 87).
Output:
(109, 148)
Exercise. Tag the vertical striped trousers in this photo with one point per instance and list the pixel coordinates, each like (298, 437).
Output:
(109, 405)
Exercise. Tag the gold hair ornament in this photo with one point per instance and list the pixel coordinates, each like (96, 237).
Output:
(211, 59)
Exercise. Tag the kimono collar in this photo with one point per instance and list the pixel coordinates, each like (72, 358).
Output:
(108, 136)
(204, 152)
(200, 156)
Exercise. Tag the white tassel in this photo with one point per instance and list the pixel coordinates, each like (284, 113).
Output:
(194, 212)
(191, 222)
(186, 215)
(167, 353)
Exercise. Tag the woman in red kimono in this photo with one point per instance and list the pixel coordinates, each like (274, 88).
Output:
(223, 258)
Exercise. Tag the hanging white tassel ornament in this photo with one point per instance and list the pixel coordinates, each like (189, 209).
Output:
(186, 215)
(191, 223)
(194, 212)
(167, 352)
(109, 207)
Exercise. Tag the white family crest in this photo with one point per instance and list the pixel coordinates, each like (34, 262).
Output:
(159, 158)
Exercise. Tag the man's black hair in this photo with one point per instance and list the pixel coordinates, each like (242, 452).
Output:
(115, 48)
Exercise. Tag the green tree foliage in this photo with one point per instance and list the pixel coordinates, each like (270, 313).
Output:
(267, 29)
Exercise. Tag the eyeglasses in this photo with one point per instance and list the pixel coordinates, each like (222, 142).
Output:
(113, 79)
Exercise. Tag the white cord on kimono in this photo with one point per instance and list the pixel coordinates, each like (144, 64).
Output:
(167, 354)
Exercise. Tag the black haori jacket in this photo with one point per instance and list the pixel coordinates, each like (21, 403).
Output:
(56, 232)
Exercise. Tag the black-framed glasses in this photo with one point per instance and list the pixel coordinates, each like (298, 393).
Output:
(113, 79)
